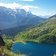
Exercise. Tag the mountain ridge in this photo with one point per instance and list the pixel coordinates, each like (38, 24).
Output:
(44, 33)
(18, 18)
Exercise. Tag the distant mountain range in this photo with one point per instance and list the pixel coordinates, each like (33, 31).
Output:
(30, 27)
(13, 20)
(54, 16)
(10, 18)
(17, 20)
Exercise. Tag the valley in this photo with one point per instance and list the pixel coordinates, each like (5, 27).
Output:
(27, 34)
(44, 33)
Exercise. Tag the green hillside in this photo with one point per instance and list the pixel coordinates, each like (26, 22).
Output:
(44, 33)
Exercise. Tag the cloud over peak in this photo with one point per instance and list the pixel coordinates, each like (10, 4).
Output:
(15, 5)
(34, 9)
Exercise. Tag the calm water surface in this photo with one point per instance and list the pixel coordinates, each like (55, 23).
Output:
(34, 49)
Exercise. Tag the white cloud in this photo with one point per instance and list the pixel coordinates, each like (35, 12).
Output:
(8, 5)
(15, 5)
(34, 9)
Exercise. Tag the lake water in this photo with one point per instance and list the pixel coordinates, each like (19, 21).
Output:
(34, 49)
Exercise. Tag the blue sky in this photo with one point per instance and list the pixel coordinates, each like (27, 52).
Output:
(37, 7)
